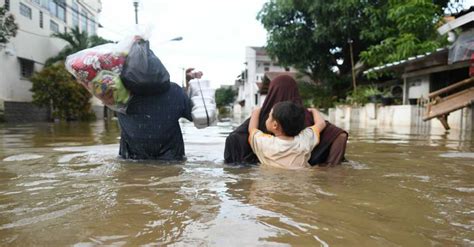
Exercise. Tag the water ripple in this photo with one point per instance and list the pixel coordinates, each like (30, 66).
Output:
(40, 218)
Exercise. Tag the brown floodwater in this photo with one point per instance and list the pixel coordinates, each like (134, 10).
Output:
(63, 184)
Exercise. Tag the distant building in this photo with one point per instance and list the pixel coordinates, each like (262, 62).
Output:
(257, 63)
(28, 51)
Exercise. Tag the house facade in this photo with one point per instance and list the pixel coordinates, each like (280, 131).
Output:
(33, 45)
(427, 80)
(257, 63)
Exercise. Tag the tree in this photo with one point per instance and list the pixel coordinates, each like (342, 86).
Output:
(225, 96)
(318, 96)
(406, 28)
(76, 41)
(312, 36)
(54, 87)
(8, 27)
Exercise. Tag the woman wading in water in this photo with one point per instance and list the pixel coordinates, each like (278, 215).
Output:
(330, 150)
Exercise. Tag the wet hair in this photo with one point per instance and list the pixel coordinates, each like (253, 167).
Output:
(290, 116)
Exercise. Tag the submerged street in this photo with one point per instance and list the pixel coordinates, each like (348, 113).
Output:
(63, 184)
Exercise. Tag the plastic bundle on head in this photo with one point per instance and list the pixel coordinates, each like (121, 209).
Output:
(204, 110)
(143, 73)
(98, 70)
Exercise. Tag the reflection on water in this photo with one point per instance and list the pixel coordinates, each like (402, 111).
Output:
(63, 184)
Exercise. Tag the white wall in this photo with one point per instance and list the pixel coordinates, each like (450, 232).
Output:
(399, 116)
(33, 43)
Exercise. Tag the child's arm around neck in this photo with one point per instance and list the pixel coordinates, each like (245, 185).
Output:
(318, 119)
(254, 119)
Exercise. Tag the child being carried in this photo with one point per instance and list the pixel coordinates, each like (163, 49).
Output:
(291, 144)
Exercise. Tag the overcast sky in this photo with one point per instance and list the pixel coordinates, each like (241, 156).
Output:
(215, 32)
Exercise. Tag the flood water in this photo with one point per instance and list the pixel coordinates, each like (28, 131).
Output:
(63, 184)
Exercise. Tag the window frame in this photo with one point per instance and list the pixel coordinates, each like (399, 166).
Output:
(75, 14)
(27, 68)
(58, 9)
(51, 24)
(85, 24)
(24, 7)
(41, 19)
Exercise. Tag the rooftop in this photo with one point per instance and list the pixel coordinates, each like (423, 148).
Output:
(410, 60)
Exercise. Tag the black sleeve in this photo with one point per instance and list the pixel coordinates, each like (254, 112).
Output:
(188, 106)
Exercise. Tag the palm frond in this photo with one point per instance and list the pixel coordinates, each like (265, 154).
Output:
(76, 41)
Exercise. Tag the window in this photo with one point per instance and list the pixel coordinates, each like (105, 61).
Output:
(92, 26)
(84, 21)
(7, 5)
(53, 8)
(27, 67)
(41, 19)
(58, 8)
(266, 69)
(61, 11)
(45, 4)
(75, 14)
(256, 99)
(54, 26)
(25, 10)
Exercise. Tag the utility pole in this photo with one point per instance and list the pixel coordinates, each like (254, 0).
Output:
(352, 65)
(135, 4)
(184, 78)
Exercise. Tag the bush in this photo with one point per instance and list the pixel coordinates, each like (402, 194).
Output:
(224, 110)
(362, 95)
(225, 96)
(54, 87)
(316, 95)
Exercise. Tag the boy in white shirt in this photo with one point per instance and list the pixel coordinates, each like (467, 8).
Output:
(291, 144)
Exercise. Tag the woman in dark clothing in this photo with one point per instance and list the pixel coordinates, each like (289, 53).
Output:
(150, 129)
(332, 145)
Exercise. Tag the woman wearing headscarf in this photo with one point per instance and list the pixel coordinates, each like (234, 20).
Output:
(329, 151)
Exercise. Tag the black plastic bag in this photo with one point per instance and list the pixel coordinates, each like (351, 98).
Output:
(143, 73)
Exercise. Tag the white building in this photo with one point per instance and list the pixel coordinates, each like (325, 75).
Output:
(257, 63)
(32, 46)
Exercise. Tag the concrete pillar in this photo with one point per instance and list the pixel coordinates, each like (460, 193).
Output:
(405, 91)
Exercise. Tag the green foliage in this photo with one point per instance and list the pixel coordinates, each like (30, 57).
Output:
(8, 27)
(362, 95)
(224, 111)
(318, 96)
(54, 87)
(313, 35)
(225, 96)
(406, 28)
(76, 41)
